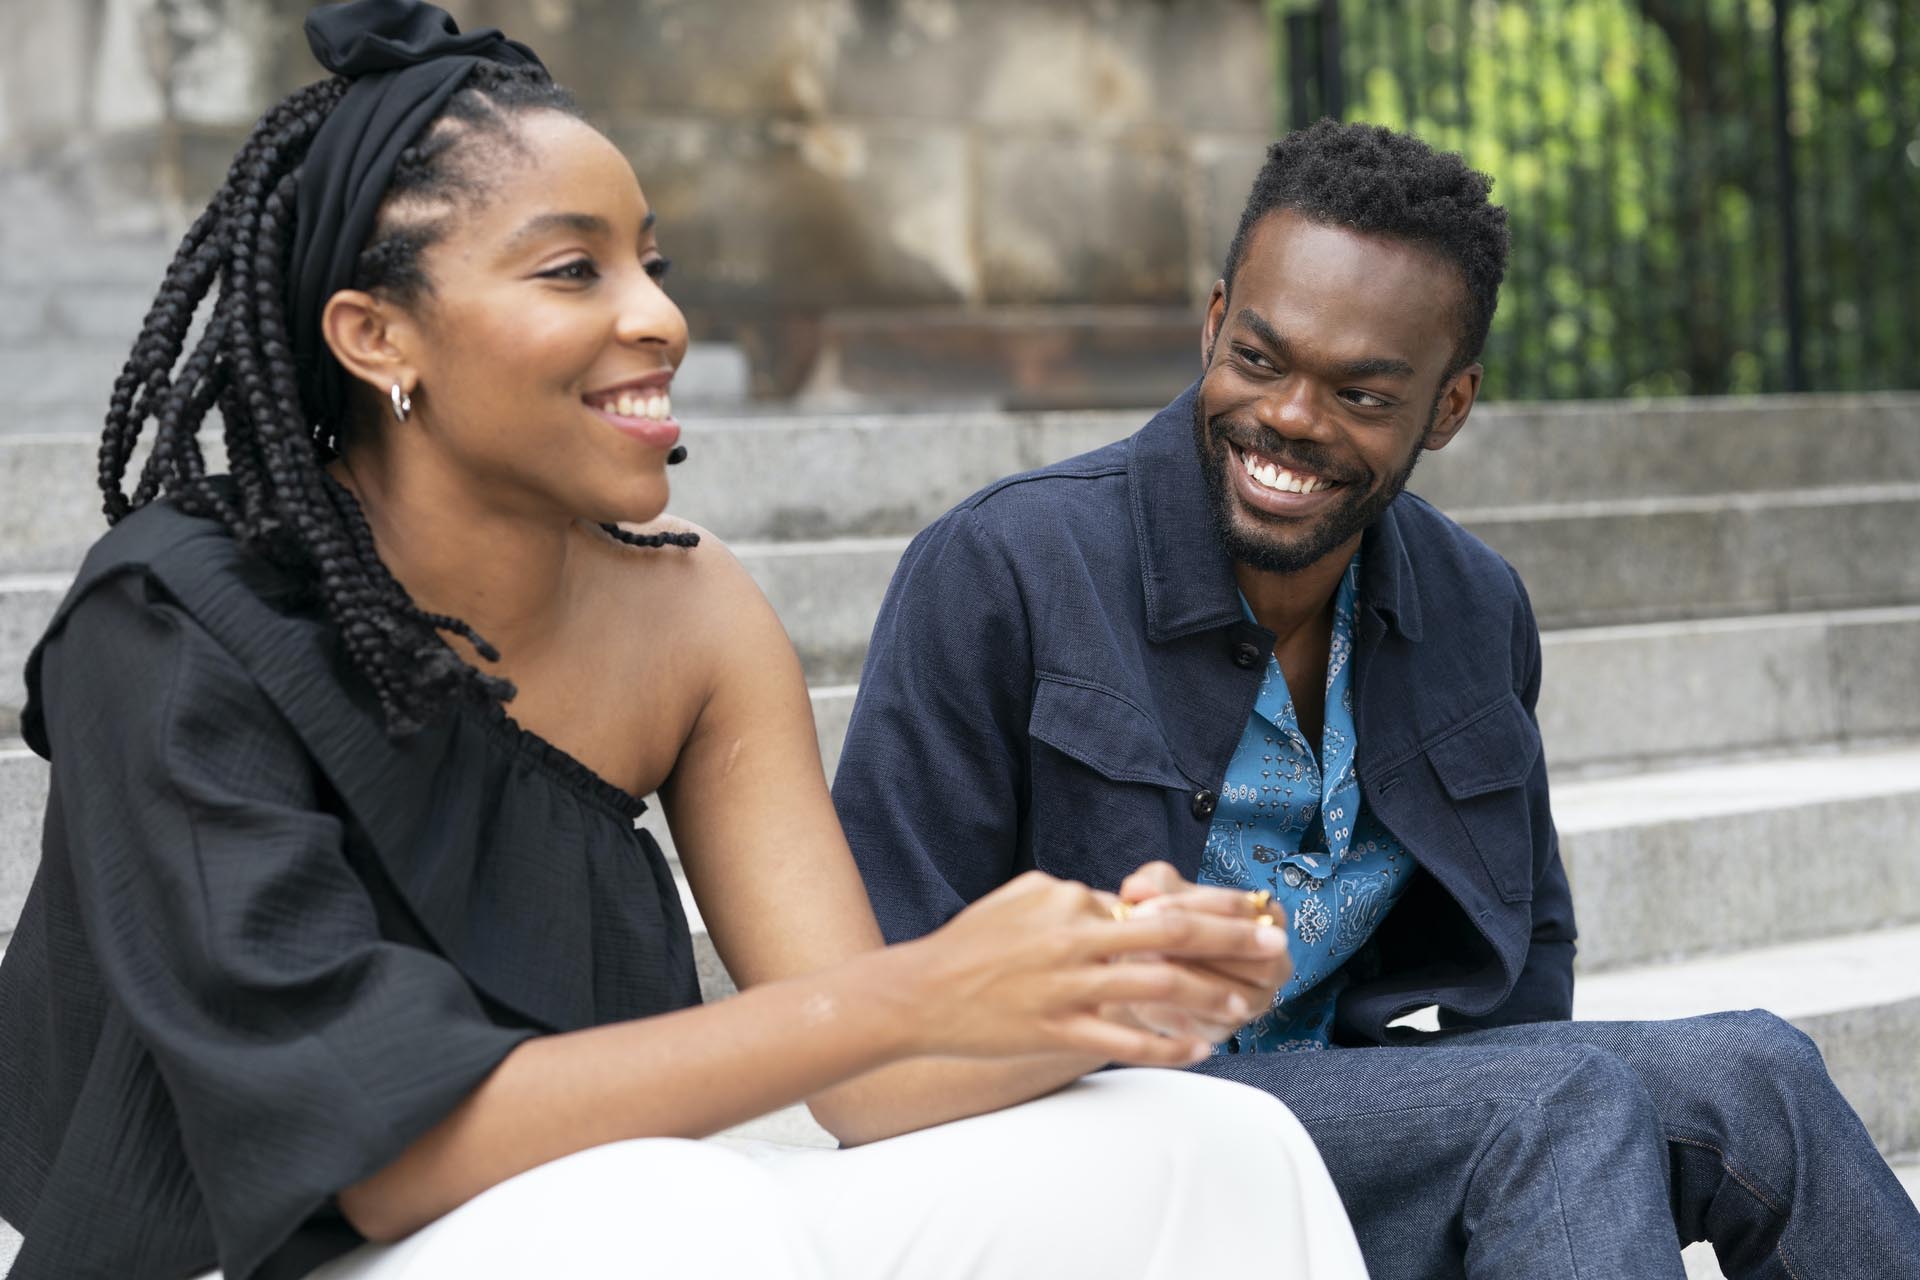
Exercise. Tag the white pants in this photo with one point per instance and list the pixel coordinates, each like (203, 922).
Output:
(1125, 1174)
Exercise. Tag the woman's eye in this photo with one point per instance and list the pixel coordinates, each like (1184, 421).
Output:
(578, 271)
(658, 267)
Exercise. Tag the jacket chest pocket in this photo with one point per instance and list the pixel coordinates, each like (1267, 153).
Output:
(1104, 792)
(1484, 767)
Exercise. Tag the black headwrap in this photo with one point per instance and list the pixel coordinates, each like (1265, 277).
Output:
(405, 59)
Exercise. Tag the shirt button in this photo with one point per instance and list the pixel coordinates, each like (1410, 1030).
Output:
(1203, 804)
(1245, 654)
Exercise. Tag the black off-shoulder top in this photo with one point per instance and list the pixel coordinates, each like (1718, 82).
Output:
(267, 946)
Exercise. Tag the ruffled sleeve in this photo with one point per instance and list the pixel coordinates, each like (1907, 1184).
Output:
(301, 1049)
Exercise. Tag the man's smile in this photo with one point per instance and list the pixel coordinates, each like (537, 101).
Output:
(1276, 488)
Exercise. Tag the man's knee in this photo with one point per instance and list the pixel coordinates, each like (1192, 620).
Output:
(1754, 1043)
(1587, 1077)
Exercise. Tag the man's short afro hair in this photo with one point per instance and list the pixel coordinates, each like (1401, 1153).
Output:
(1372, 180)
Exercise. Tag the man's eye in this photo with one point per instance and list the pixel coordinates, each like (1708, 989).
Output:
(1252, 357)
(658, 267)
(1365, 400)
(579, 271)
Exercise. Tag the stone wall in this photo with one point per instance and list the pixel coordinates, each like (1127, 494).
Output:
(808, 158)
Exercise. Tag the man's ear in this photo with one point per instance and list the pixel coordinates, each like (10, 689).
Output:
(1216, 316)
(372, 339)
(1456, 402)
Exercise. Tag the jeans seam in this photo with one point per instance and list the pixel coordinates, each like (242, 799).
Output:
(1767, 1200)
(1559, 1195)
(1757, 1191)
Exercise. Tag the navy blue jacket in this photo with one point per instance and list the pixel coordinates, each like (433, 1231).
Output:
(1061, 670)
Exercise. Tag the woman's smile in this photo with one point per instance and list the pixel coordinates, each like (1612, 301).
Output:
(639, 408)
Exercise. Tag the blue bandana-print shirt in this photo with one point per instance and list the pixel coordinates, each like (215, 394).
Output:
(1293, 824)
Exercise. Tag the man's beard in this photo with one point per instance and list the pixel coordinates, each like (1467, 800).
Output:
(1351, 516)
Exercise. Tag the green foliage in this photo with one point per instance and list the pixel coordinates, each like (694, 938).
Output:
(1634, 144)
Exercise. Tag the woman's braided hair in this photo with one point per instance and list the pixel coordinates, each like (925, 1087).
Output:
(281, 501)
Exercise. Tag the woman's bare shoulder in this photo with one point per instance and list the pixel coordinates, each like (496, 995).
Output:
(704, 588)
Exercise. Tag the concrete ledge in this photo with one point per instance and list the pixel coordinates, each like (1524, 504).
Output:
(1642, 560)
(1579, 451)
(1692, 861)
(1614, 697)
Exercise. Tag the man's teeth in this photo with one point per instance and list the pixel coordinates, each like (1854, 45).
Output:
(658, 406)
(1280, 478)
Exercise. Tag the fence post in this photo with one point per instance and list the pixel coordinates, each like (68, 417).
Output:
(1789, 201)
(1314, 87)
(1332, 85)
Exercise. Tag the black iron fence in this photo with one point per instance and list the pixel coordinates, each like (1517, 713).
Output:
(1706, 195)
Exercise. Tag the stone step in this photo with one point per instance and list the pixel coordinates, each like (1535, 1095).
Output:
(1647, 559)
(56, 313)
(1582, 451)
(1723, 857)
(780, 474)
(1630, 696)
(1857, 995)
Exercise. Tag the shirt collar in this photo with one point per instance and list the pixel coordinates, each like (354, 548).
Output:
(1188, 577)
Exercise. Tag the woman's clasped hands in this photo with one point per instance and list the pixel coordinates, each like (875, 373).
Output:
(1153, 976)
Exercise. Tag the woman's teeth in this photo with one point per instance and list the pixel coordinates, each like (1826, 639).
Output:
(1280, 478)
(658, 406)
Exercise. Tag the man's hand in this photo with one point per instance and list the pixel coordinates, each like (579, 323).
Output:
(1258, 971)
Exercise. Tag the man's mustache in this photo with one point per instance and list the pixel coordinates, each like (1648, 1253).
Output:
(1291, 454)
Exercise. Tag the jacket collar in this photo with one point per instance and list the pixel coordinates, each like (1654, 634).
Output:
(1387, 585)
(1188, 577)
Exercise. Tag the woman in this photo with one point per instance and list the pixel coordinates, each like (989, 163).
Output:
(331, 967)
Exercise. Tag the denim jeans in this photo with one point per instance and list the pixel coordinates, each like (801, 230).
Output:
(1598, 1149)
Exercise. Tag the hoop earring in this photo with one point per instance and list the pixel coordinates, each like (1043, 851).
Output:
(402, 402)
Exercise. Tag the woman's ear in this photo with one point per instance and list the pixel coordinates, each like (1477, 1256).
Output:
(373, 339)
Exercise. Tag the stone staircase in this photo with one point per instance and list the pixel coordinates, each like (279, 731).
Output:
(1730, 593)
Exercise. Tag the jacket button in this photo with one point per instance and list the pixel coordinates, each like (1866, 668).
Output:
(1245, 654)
(1203, 804)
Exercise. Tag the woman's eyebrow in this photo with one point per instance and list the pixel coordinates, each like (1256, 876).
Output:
(586, 224)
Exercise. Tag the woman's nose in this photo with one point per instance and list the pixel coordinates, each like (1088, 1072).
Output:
(648, 316)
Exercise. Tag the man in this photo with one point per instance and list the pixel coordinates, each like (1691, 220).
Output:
(1232, 641)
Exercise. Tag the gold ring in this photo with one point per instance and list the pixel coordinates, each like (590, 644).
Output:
(1257, 900)
(1119, 909)
(1265, 921)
